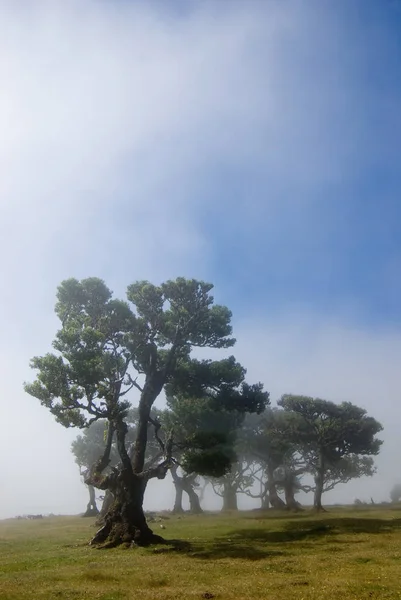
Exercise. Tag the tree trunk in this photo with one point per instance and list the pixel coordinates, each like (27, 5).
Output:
(91, 508)
(202, 491)
(289, 494)
(319, 482)
(179, 490)
(317, 502)
(229, 498)
(178, 499)
(274, 499)
(125, 521)
(194, 502)
(265, 504)
(107, 502)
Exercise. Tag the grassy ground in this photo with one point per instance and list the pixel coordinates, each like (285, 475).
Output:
(343, 554)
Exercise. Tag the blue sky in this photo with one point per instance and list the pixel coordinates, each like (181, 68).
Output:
(255, 144)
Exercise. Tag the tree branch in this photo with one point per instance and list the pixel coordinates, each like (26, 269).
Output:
(94, 474)
(134, 383)
(160, 470)
(157, 425)
(122, 430)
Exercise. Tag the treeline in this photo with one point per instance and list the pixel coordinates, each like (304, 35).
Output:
(304, 444)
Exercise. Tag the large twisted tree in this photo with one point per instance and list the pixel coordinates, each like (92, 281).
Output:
(105, 350)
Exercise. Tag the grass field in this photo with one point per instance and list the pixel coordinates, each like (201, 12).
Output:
(342, 554)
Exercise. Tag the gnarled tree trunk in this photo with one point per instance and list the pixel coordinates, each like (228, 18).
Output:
(179, 491)
(194, 502)
(125, 522)
(185, 484)
(319, 484)
(289, 494)
(274, 499)
(107, 502)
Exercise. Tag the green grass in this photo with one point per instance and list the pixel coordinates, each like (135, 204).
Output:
(343, 554)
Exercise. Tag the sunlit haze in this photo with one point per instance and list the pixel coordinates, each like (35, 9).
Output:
(253, 144)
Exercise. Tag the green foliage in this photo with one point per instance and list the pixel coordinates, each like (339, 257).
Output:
(221, 381)
(212, 460)
(78, 384)
(181, 311)
(346, 468)
(338, 429)
(205, 426)
(203, 436)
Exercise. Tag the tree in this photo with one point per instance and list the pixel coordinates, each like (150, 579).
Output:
(87, 448)
(186, 416)
(237, 480)
(395, 494)
(206, 417)
(335, 441)
(107, 348)
(221, 435)
(286, 478)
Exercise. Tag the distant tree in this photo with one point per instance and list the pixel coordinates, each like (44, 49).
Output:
(239, 479)
(395, 494)
(87, 448)
(287, 478)
(270, 443)
(105, 349)
(335, 441)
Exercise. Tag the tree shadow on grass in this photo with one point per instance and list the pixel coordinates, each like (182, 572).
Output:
(314, 529)
(233, 549)
(256, 543)
(220, 548)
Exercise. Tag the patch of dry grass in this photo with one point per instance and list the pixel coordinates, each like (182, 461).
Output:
(344, 554)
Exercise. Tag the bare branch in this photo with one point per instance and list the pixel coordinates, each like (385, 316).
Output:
(134, 383)
(160, 470)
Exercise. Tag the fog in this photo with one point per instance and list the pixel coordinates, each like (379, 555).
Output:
(115, 118)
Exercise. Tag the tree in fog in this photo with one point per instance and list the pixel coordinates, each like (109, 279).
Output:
(271, 445)
(236, 481)
(105, 350)
(86, 449)
(219, 428)
(395, 494)
(336, 442)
